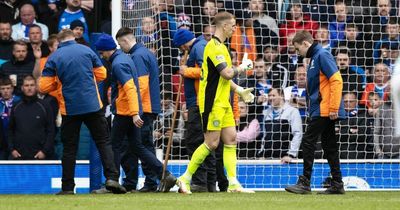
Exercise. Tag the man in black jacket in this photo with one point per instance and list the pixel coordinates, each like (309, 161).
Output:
(18, 67)
(31, 128)
(6, 42)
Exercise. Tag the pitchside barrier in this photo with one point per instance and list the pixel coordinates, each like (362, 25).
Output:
(44, 177)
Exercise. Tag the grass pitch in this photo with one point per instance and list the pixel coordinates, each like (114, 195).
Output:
(208, 201)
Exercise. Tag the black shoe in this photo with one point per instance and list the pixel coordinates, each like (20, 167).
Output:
(115, 187)
(212, 188)
(302, 186)
(102, 190)
(327, 182)
(66, 192)
(335, 188)
(167, 183)
(198, 188)
(146, 189)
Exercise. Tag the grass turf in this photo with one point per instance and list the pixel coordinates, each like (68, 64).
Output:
(209, 201)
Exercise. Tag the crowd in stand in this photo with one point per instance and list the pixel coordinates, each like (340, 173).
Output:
(363, 36)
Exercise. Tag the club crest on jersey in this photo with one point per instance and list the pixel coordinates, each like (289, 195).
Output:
(216, 123)
(220, 58)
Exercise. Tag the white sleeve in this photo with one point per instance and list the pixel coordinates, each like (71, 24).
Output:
(297, 131)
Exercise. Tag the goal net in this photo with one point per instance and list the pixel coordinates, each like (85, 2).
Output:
(363, 37)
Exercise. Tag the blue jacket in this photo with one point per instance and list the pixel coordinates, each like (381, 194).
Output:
(324, 84)
(78, 69)
(125, 93)
(148, 74)
(192, 73)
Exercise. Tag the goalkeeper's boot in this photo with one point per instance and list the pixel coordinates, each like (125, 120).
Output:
(335, 188)
(302, 186)
(115, 187)
(237, 188)
(184, 185)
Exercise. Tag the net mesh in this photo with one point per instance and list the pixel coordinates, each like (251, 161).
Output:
(363, 36)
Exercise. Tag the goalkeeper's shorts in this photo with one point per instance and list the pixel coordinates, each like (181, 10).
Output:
(218, 118)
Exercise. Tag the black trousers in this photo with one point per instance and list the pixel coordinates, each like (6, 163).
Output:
(129, 161)
(98, 127)
(123, 127)
(194, 137)
(324, 127)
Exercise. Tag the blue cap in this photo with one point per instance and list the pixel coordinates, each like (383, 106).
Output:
(105, 43)
(182, 36)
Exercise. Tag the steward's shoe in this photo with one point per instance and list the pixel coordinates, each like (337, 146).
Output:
(102, 190)
(146, 189)
(198, 188)
(302, 186)
(115, 187)
(66, 192)
(184, 185)
(237, 188)
(335, 188)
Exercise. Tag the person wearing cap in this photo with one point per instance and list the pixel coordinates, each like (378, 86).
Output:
(205, 177)
(148, 76)
(129, 104)
(73, 65)
(78, 28)
(214, 102)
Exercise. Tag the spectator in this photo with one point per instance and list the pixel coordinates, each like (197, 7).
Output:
(208, 32)
(375, 25)
(168, 54)
(249, 130)
(392, 36)
(244, 38)
(389, 53)
(297, 21)
(257, 8)
(208, 11)
(261, 86)
(318, 10)
(353, 77)
(374, 103)
(379, 85)
(40, 62)
(31, 128)
(277, 73)
(74, 11)
(18, 67)
(322, 37)
(35, 42)
(360, 49)
(79, 29)
(9, 10)
(290, 59)
(283, 128)
(7, 101)
(338, 23)
(386, 144)
(295, 95)
(355, 132)
(6, 42)
(148, 35)
(21, 29)
(184, 21)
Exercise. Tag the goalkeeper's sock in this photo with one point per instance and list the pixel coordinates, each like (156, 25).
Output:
(197, 159)
(230, 161)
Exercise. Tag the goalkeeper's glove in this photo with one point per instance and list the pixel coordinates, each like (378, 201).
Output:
(246, 64)
(245, 94)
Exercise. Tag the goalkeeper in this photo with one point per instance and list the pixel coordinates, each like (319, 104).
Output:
(214, 104)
